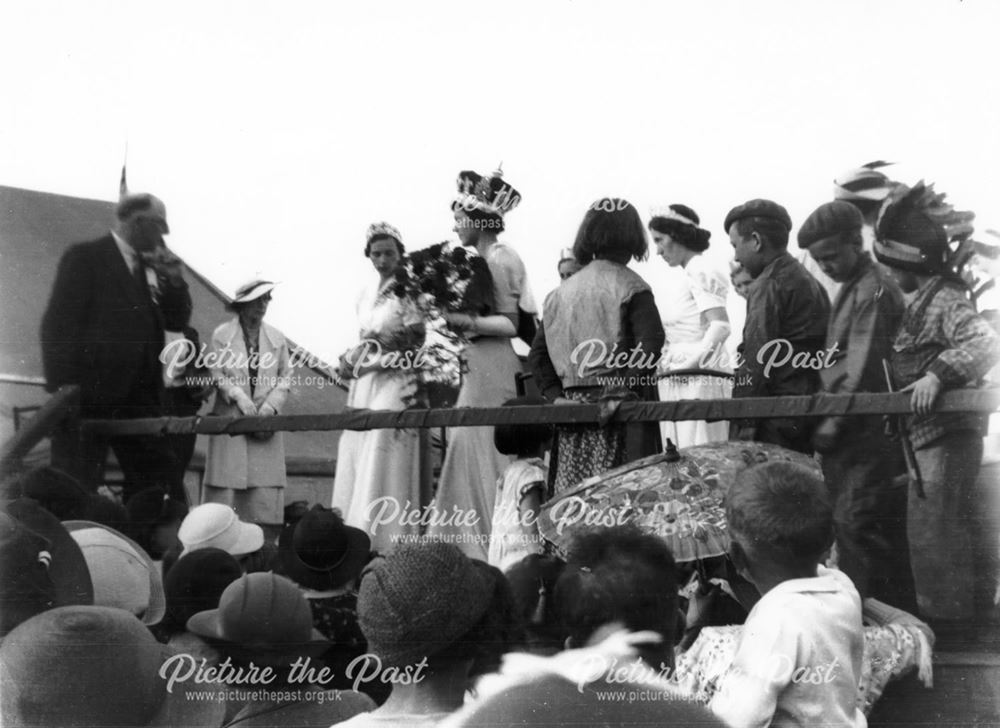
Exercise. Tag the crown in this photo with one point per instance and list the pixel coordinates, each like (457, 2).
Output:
(487, 194)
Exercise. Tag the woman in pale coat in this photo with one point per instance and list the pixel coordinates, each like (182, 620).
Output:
(251, 369)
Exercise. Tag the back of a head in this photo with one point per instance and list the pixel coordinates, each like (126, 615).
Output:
(553, 700)
(196, 583)
(427, 600)
(153, 517)
(779, 511)
(92, 666)
(618, 574)
(105, 511)
(521, 440)
(611, 229)
(533, 582)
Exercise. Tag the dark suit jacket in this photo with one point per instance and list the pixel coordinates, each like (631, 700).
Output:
(101, 331)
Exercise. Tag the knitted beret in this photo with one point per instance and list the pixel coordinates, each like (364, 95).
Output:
(420, 599)
(759, 208)
(829, 219)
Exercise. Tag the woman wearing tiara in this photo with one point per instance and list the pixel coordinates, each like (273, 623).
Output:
(376, 464)
(472, 464)
(696, 325)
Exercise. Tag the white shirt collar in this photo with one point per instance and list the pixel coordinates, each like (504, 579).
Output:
(826, 580)
(128, 253)
(132, 260)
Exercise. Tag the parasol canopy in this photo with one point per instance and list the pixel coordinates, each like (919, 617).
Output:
(677, 496)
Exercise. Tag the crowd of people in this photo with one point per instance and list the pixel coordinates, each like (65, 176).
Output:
(240, 610)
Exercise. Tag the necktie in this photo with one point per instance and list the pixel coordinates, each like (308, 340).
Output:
(140, 279)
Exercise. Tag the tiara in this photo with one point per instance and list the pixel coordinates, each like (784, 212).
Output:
(671, 214)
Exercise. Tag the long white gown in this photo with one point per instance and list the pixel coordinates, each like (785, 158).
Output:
(703, 288)
(378, 471)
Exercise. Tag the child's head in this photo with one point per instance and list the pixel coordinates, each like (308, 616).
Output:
(741, 279)
(619, 575)
(780, 519)
(611, 230)
(523, 440)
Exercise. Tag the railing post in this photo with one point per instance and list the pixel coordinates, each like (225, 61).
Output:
(63, 406)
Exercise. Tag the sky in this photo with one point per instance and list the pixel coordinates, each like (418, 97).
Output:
(276, 132)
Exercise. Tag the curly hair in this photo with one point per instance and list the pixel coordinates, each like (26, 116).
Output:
(618, 574)
(691, 237)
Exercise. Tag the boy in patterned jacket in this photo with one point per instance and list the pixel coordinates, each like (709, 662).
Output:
(943, 343)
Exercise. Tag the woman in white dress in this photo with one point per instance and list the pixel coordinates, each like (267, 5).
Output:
(378, 471)
(696, 325)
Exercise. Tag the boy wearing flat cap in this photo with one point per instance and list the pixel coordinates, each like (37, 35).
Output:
(943, 343)
(858, 458)
(787, 312)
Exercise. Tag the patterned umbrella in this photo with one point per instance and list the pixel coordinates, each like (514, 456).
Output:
(677, 496)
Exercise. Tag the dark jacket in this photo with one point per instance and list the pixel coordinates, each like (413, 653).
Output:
(101, 330)
(785, 304)
(863, 325)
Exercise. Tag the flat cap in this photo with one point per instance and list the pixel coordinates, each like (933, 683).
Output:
(759, 208)
(829, 219)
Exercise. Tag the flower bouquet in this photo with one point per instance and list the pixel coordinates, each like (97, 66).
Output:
(436, 280)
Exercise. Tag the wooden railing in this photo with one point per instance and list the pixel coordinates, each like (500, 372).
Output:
(62, 409)
(64, 404)
(819, 405)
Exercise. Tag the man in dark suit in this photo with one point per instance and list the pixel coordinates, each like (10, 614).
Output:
(103, 330)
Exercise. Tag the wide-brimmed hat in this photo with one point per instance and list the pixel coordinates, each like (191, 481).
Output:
(419, 599)
(94, 666)
(252, 290)
(123, 574)
(67, 568)
(264, 616)
(217, 525)
(320, 552)
(26, 589)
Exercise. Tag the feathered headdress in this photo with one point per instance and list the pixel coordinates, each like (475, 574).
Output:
(919, 231)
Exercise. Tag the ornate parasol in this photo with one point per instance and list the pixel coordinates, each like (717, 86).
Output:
(677, 496)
